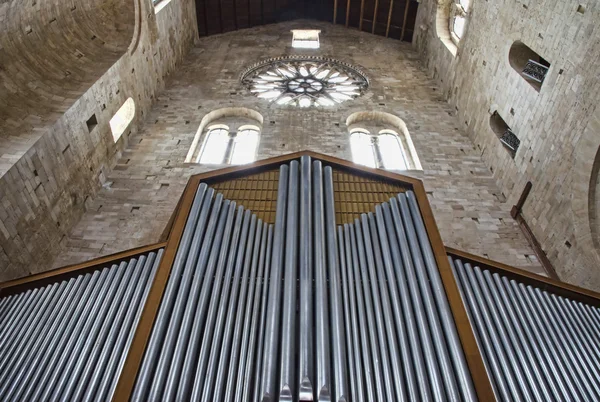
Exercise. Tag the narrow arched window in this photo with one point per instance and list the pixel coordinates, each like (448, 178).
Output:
(361, 144)
(528, 64)
(244, 145)
(458, 19)
(391, 151)
(223, 147)
(215, 146)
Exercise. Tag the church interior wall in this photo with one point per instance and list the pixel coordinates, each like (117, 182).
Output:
(149, 176)
(557, 125)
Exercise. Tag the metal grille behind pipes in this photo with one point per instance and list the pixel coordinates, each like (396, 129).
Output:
(537, 346)
(304, 310)
(67, 341)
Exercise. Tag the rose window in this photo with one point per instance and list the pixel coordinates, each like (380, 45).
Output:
(305, 81)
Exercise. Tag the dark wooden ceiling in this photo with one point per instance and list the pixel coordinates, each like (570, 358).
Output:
(391, 18)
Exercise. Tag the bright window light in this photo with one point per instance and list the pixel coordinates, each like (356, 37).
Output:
(362, 148)
(120, 121)
(305, 38)
(215, 146)
(459, 26)
(244, 146)
(391, 151)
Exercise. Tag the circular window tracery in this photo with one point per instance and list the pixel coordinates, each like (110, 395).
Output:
(305, 81)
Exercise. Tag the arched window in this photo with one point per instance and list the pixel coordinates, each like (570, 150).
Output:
(528, 64)
(458, 19)
(244, 145)
(381, 140)
(215, 146)
(383, 150)
(227, 136)
(362, 148)
(391, 150)
(222, 147)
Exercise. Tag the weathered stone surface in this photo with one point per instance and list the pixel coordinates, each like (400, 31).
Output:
(150, 174)
(49, 187)
(558, 126)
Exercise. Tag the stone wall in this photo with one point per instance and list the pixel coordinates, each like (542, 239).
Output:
(47, 190)
(558, 126)
(148, 179)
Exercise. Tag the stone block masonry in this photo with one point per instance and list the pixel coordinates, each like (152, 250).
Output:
(145, 184)
(54, 172)
(558, 127)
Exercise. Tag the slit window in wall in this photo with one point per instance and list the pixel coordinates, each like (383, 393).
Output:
(222, 147)
(305, 38)
(459, 15)
(91, 123)
(530, 65)
(504, 133)
(122, 119)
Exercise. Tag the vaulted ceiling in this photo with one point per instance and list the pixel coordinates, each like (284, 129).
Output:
(391, 18)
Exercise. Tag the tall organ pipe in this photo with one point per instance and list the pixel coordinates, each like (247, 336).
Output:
(384, 261)
(195, 306)
(392, 373)
(305, 266)
(323, 359)
(287, 389)
(203, 330)
(247, 340)
(196, 218)
(270, 353)
(254, 342)
(350, 342)
(340, 391)
(233, 329)
(190, 282)
(421, 294)
(447, 320)
(404, 278)
(204, 388)
(380, 358)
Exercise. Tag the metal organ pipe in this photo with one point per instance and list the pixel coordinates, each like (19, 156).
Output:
(300, 310)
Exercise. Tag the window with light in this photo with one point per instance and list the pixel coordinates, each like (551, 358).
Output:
(225, 147)
(383, 150)
(458, 19)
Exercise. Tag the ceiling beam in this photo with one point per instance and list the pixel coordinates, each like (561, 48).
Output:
(405, 18)
(362, 11)
(335, 5)
(389, 21)
(375, 16)
(347, 13)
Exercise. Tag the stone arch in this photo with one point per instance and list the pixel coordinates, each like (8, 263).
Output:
(50, 57)
(393, 122)
(585, 192)
(442, 25)
(519, 55)
(216, 115)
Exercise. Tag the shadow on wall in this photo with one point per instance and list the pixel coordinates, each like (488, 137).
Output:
(595, 201)
(50, 57)
(528, 64)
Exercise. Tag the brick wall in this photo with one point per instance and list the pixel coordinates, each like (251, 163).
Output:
(558, 126)
(146, 182)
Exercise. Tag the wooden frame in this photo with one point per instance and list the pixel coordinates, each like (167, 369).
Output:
(175, 229)
(528, 278)
(472, 353)
(43, 278)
